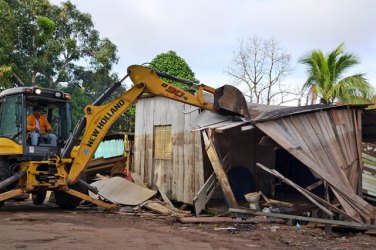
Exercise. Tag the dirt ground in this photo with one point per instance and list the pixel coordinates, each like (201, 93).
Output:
(24, 226)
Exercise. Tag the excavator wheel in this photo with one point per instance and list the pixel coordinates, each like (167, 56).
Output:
(67, 201)
(39, 197)
(4, 174)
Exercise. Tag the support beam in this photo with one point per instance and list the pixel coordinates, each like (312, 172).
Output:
(10, 194)
(303, 218)
(314, 185)
(312, 197)
(219, 171)
(298, 188)
(80, 195)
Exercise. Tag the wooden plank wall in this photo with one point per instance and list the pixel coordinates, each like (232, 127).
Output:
(182, 176)
(369, 170)
(328, 143)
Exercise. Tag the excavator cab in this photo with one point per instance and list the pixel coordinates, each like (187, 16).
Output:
(16, 104)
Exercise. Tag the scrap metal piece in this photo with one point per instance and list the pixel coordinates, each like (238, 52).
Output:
(122, 191)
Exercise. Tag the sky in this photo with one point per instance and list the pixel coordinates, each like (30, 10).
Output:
(206, 33)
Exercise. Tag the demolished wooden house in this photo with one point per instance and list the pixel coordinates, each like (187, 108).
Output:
(310, 145)
(326, 139)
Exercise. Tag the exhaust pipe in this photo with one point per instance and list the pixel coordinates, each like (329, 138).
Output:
(8, 181)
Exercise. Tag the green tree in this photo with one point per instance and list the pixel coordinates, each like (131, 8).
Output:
(80, 99)
(327, 80)
(7, 27)
(172, 64)
(30, 40)
(81, 42)
(44, 44)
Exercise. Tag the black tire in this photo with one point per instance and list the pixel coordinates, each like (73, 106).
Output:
(4, 174)
(67, 201)
(22, 197)
(39, 197)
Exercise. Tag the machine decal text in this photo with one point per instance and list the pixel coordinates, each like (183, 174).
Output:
(103, 122)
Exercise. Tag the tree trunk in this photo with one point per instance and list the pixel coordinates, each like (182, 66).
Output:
(33, 77)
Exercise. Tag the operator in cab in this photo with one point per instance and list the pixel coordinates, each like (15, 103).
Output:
(39, 127)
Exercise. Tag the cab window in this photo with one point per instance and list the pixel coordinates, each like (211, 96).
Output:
(56, 115)
(11, 117)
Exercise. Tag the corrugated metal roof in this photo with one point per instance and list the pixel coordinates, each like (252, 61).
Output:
(261, 112)
(258, 113)
(208, 119)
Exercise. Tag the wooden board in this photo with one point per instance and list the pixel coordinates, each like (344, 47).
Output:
(196, 220)
(219, 172)
(204, 194)
(303, 218)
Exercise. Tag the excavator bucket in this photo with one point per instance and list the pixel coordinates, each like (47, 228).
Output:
(229, 100)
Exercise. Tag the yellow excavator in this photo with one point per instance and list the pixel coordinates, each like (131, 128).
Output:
(35, 169)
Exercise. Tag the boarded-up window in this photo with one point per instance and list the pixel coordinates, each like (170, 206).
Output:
(162, 142)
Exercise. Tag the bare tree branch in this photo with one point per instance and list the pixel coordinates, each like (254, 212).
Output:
(261, 65)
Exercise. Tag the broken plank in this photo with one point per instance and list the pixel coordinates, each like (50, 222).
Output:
(156, 207)
(205, 193)
(303, 218)
(138, 180)
(189, 220)
(371, 232)
(219, 171)
(298, 188)
(276, 203)
(314, 185)
(313, 196)
(165, 198)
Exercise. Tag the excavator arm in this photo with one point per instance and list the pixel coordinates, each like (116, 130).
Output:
(61, 171)
(145, 80)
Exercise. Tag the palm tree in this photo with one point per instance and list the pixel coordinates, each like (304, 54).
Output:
(326, 78)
